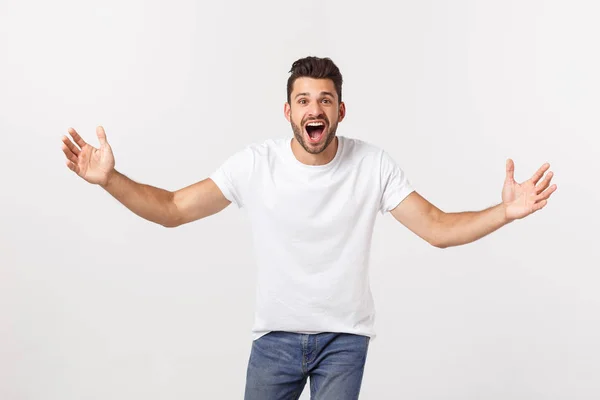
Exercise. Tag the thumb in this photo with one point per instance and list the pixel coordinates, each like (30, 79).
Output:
(510, 170)
(101, 135)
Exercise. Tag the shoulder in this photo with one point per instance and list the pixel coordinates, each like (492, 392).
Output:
(371, 155)
(361, 149)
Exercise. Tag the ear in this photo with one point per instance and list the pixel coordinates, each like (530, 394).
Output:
(287, 111)
(342, 112)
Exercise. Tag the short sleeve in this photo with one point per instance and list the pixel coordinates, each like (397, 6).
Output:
(233, 176)
(395, 186)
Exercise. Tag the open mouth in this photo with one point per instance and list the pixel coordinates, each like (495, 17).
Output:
(315, 130)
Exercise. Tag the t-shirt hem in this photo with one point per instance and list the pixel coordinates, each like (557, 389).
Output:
(397, 198)
(219, 180)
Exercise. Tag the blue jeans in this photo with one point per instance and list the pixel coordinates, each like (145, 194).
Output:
(280, 363)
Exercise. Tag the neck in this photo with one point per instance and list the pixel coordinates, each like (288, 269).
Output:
(322, 158)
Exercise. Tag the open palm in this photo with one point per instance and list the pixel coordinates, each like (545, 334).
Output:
(92, 164)
(522, 199)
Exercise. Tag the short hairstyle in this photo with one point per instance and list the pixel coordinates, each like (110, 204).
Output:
(316, 68)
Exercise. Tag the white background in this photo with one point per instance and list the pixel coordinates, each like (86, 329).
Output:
(97, 303)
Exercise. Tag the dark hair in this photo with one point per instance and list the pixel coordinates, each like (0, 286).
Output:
(317, 68)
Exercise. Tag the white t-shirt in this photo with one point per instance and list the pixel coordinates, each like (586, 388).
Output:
(312, 228)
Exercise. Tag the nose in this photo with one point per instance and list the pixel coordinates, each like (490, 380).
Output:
(314, 109)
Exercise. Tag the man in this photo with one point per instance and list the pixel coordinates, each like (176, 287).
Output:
(312, 202)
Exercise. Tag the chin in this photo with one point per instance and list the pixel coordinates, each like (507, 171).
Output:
(312, 139)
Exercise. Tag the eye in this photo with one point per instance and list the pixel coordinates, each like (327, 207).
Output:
(326, 101)
(302, 101)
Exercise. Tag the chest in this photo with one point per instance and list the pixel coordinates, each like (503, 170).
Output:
(315, 207)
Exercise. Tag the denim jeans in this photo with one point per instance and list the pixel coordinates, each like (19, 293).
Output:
(281, 362)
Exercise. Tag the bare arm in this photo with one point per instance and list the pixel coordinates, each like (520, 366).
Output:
(161, 206)
(169, 209)
(443, 230)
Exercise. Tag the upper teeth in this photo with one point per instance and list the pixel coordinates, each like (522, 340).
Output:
(314, 124)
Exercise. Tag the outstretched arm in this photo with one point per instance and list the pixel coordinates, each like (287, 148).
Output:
(170, 209)
(443, 229)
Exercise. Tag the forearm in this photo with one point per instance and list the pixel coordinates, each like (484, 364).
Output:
(149, 202)
(455, 229)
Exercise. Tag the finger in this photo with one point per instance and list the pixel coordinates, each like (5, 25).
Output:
(101, 135)
(80, 142)
(72, 157)
(545, 183)
(71, 145)
(546, 194)
(539, 173)
(72, 166)
(539, 205)
(510, 170)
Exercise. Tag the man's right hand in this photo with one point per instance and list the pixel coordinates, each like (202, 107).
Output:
(161, 206)
(92, 164)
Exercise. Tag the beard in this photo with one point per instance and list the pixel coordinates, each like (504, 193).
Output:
(299, 135)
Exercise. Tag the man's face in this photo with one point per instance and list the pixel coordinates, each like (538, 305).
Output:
(314, 113)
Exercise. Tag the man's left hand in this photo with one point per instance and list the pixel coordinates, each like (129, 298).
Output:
(523, 199)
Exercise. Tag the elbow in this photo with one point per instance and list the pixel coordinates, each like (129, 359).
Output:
(172, 215)
(437, 243)
(439, 234)
(172, 222)
(438, 239)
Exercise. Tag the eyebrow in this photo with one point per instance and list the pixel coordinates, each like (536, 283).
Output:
(308, 94)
